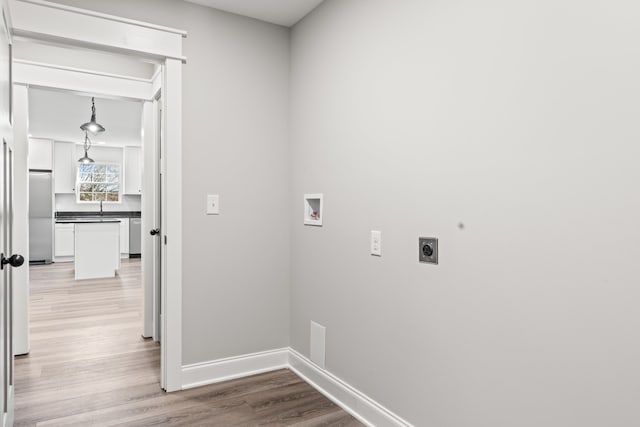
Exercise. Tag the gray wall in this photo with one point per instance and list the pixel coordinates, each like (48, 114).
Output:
(235, 106)
(518, 119)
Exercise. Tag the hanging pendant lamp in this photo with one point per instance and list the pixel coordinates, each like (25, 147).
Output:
(87, 146)
(92, 126)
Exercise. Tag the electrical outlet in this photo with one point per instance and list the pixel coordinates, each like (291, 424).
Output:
(213, 204)
(376, 243)
(428, 250)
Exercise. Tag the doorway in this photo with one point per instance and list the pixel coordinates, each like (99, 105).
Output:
(59, 25)
(125, 159)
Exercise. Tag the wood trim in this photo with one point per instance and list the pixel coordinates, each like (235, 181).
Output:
(199, 374)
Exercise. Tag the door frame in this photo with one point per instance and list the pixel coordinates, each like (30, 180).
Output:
(79, 28)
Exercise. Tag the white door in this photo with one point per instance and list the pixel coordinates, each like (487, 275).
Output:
(151, 218)
(158, 252)
(6, 283)
(6, 225)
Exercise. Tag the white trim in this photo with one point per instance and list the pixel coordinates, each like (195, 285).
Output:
(81, 81)
(199, 374)
(83, 70)
(113, 18)
(156, 74)
(69, 26)
(356, 403)
(171, 229)
(148, 203)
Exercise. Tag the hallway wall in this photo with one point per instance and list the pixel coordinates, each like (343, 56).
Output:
(518, 120)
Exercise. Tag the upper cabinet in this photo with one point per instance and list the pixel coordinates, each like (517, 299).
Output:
(40, 154)
(132, 171)
(64, 166)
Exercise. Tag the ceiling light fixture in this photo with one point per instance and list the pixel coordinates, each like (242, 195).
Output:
(87, 146)
(92, 126)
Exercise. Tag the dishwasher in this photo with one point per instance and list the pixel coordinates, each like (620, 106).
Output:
(135, 237)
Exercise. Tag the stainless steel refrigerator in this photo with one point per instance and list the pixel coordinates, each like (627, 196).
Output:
(41, 221)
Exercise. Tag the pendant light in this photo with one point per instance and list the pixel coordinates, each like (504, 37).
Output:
(87, 146)
(92, 126)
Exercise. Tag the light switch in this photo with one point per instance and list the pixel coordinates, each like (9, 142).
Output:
(376, 243)
(213, 204)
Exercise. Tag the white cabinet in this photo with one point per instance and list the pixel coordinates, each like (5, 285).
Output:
(132, 170)
(64, 167)
(124, 236)
(64, 242)
(40, 154)
(96, 250)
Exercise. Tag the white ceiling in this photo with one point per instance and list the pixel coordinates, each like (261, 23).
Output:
(58, 115)
(281, 12)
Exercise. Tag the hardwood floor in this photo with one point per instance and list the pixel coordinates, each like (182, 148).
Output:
(89, 365)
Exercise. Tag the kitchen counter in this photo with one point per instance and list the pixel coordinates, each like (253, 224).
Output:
(84, 220)
(62, 215)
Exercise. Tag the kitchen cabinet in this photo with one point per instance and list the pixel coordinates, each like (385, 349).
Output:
(64, 241)
(40, 154)
(97, 251)
(132, 170)
(64, 167)
(124, 236)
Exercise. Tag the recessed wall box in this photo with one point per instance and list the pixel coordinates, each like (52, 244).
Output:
(313, 209)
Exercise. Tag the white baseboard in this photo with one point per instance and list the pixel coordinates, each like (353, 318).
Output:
(362, 407)
(215, 371)
(365, 409)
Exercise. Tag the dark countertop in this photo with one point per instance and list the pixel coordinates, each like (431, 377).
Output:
(96, 214)
(85, 220)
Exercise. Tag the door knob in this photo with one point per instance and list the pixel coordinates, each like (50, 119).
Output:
(14, 260)
(154, 231)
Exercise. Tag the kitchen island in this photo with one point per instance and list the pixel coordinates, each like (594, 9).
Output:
(97, 247)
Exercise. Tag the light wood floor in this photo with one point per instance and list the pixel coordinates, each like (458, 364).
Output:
(88, 365)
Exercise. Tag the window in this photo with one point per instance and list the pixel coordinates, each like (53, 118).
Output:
(98, 182)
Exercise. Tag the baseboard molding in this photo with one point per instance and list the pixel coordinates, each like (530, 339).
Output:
(230, 368)
(362, 407)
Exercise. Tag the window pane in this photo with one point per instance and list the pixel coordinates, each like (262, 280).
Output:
(85, 168)
(98, 182)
